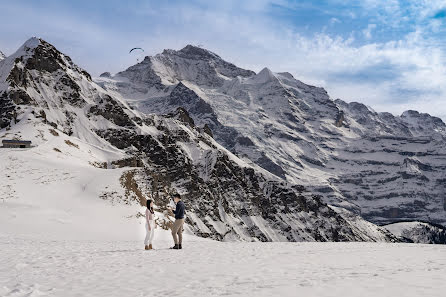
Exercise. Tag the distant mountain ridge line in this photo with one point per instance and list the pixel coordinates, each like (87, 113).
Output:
(48, 99)
(346, 152)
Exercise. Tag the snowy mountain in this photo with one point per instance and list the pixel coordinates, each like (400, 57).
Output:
(386, 168)
(90, 144)
(2, 55)
(418, 232)
(190, 64)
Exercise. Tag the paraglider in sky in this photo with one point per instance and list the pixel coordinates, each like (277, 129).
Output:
(139, 52)
(135, 48)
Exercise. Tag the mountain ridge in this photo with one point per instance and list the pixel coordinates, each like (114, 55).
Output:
(346, 152)
(52, 101)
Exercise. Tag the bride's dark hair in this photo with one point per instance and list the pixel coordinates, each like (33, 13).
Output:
(148, 206)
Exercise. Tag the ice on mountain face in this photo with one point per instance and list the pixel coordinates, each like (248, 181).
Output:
(2, 55)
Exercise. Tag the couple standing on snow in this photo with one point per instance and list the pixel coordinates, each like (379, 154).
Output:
(177, 227)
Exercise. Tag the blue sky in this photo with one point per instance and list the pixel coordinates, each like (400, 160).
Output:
(389, 54)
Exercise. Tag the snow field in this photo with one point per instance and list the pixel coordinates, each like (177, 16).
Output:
(33, 267)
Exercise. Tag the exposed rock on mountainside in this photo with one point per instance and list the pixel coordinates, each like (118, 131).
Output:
(384, 167)
(105, 74)
(227, 198)
(418, 232)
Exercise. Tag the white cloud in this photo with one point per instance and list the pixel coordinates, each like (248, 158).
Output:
(334, 21)
(407, 73)
(390, 76)
(368, 31)
(401, 13)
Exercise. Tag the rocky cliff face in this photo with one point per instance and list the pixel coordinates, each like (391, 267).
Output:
(399, 172)
(418, 232)
(226, 197)
(383, 167)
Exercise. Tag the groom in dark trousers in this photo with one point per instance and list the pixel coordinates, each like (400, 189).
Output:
(177, 228)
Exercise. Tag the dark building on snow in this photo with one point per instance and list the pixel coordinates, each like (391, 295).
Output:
(16, 143)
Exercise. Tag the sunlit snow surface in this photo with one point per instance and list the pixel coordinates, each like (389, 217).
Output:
(58, 239)
(207, 268)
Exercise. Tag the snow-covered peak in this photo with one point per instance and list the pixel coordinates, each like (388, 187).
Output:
(37, 74)
(421, 123)
(193, 64)
(27, 48)
(141, 74)
(33, 42)
(264, 76)
(361, 108)
(198, 52)
(23, 53)
(105, 74)
(421, 118)
(286, 75)
(2, 55)
(410, 113)
(38, 58)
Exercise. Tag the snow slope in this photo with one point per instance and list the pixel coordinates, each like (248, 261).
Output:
(57, 194)
(36, 267)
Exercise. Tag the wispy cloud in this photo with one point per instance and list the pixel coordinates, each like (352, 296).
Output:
(334, 21)
(388, 54)
(368, 31)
